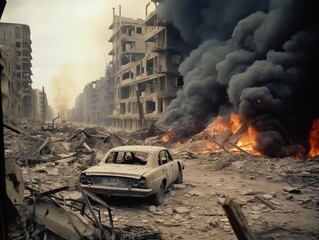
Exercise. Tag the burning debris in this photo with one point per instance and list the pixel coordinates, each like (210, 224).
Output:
(250, 60)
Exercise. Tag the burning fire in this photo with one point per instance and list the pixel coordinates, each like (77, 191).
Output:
(220, 124)
(314, 139)
(168, 137)
(238, 133)
(229, 132)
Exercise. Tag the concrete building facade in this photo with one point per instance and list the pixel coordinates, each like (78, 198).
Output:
(11, 103)
(95, 103)
(18, 36)
(142, 78)
(91, 105)
(97, 93)
(144, 85)
(41, 108)
(128, 49)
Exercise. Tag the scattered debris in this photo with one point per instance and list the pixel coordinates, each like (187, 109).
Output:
(45, 166)
(139, 232)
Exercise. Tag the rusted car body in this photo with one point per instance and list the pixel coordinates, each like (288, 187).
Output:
(134, 171)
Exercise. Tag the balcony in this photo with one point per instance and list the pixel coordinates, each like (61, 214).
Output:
(150, 35)
(111, 52)
(161, 22)
(164, 47)
(111, 38)
(154, 20)
(150, 19)
(171, 71)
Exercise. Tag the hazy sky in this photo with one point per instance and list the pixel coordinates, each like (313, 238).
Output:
(69, 40)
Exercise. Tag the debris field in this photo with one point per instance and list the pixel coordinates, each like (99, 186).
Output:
(224, 191)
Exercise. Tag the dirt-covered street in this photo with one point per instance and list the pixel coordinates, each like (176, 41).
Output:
(192, 210)
(278, 196)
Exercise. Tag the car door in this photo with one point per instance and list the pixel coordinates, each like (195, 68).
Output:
(166, 166)
(173, 164)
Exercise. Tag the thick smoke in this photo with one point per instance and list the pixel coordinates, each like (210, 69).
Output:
(255, 58)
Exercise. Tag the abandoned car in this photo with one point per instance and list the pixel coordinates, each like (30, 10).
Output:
(134, 171)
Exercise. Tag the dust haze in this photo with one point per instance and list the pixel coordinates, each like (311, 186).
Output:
(63, 89)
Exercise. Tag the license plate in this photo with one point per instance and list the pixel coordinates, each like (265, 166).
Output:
(114, 182)
(111, 181)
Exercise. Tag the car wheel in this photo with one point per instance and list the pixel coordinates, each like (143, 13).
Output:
(158, 198)
(179, 179)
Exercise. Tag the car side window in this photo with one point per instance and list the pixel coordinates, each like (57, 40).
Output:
(169, 156)
(163, 157)
(110, 158)
(115, 157)
(122, 157)
(128, 157)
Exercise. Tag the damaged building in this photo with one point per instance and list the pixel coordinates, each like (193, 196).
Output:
(17, 36)
(142, 78)
(19, 99)
(42, 111)
(11, 104)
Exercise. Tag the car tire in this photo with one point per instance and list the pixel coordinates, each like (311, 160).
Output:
(179, 179)
(158, 198)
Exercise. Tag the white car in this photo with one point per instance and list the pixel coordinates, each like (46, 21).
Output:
(136, 171)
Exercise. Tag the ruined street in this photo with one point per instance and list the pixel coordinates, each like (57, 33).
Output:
(192, 210)
(159, 119)
(278, 196)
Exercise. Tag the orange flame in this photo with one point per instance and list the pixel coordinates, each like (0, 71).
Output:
(314, 139)
(229, 127)
(169, 137)
(226, 128)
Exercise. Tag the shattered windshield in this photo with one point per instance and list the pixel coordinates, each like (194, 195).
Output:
(128, 157)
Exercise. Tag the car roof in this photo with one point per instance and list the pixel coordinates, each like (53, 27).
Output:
(144, 148)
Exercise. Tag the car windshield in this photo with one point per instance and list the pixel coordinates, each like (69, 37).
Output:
(128, 157)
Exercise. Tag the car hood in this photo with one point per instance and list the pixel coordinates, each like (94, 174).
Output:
(120, 170)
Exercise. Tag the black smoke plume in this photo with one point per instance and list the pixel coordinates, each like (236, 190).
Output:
(256, 58)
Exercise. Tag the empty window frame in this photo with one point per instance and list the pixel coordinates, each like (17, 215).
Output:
(138, 30)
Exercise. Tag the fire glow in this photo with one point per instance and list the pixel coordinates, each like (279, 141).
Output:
(246, 140)
(231, 133)
(169, 137)
(314, 139)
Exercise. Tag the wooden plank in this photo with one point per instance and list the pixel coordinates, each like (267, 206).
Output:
(237, 220)
(12, 128)
(38, 151)
(268, 203)
(222, 137)
(239, 148)
(236, 136)
(212, 138)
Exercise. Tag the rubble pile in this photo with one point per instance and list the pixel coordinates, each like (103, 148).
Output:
(278, 196)
(44, 166)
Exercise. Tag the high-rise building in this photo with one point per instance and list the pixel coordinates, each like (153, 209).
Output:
(141, 80)
(11, 103)
(128, 49)
(18, 36)
(146, 56)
